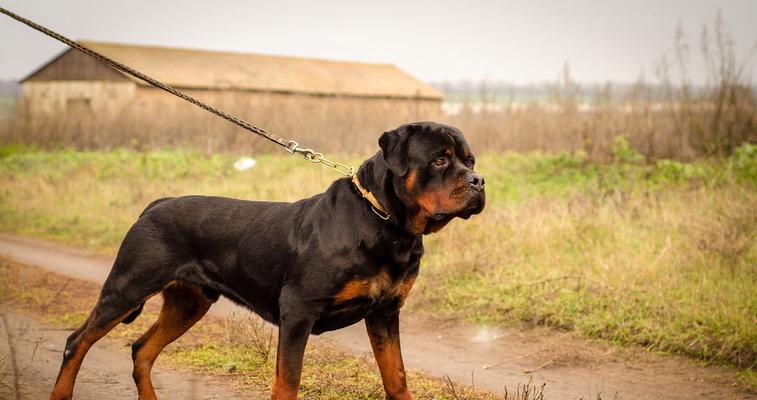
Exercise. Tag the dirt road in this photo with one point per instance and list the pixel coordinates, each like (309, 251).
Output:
(571, 367)
(105, 374)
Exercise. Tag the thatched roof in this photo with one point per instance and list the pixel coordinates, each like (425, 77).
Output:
(200, 69)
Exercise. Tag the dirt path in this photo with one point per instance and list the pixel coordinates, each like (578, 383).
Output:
(571, 367)
(105, 374)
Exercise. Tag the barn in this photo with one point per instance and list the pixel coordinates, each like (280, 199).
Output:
(81, 100)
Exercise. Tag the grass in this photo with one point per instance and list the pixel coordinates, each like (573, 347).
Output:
(660, 255)
(241, 349)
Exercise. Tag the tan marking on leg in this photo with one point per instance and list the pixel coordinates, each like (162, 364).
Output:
(88, 336)
(183, 306)
(282, 390)
(389, 359)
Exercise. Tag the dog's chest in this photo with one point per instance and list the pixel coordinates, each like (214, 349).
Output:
(376, 288)
(359, 296)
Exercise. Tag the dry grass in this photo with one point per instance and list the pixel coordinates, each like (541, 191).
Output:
(669, 117)
(155, 120)
(679, 127)
(671, 271)
(660, 255)
(665, 118)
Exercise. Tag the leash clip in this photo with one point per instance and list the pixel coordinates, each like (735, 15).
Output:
(292, 147)
(314, 157)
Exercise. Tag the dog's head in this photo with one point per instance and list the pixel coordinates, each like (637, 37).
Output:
(429, 176)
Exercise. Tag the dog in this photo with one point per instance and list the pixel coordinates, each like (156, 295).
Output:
(319, 264)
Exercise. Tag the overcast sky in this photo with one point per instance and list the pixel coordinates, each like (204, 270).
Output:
(520, 42)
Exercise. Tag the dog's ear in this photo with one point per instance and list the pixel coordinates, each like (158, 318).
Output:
(394, 148)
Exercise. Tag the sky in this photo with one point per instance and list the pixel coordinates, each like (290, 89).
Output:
(518, 42)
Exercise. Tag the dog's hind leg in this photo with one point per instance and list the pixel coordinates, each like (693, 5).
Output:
(118, 302)
(183, 305)
(108, 312)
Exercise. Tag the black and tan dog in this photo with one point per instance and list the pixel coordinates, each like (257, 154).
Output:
(311, 266)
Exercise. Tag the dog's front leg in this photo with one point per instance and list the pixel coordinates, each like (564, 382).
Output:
(295, 325)
(384, 332)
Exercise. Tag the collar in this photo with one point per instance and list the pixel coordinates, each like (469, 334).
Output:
(375, 205)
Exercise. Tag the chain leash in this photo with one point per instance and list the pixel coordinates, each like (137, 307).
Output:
(290, 146)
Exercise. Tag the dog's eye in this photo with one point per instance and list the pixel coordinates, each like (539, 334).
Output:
(470, 163)
(440, 162)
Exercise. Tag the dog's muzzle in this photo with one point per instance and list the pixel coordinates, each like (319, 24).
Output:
(476, 193)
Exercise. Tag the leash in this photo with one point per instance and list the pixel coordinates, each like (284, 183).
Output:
(290, 146)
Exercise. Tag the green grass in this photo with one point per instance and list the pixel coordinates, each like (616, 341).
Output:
(659, 255)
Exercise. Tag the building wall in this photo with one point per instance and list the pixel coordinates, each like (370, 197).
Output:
(45, 98)
(107, 114)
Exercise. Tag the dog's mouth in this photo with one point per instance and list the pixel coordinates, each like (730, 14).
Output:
(474, 206)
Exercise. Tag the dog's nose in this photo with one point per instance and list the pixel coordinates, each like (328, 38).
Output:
(476, 181)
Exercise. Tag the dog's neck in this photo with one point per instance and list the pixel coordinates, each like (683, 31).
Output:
(377, 207)
(376, 178)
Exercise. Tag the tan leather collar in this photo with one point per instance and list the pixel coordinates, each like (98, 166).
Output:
(377, 209)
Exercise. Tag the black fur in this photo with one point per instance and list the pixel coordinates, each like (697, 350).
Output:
(288, 262)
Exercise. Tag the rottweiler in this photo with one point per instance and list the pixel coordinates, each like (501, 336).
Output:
(323, 263)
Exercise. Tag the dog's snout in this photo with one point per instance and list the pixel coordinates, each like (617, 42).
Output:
(476, 181)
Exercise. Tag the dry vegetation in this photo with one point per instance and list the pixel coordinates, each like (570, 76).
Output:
(162, 121)
(668, 117)
(659, 255)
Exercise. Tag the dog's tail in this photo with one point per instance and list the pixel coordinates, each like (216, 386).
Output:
(134, 314)
(153, 204)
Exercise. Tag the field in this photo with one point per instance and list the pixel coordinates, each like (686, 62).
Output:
(623, 217)
(660, 255)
